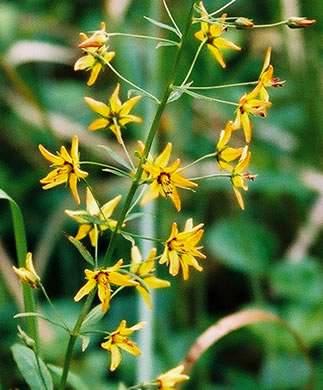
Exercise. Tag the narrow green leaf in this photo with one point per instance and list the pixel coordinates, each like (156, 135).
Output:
(130, 217)
(95, 315)
(161, 25)
(115, 172)
(21, 249)
(43, 317)
(116, 157)
(85, 342)
(37, 377)
(129, 238)
(81, 248)
(73, 380)
(161, 44)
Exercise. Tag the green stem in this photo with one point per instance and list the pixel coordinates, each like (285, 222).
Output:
(270, 25)
(179, 33)
(210, 176)
(148, 144)
(114, 70)
(226, 85)
(198, 160)
(53, 307)
(222, 8)
(105, 166)
(199, 96)
(142, 237)
(40, 370)
(73, 337)
(194, 61)
(143, 37)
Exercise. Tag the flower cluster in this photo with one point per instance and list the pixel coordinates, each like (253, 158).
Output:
(158, 177)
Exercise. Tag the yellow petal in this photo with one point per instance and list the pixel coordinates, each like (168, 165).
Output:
(89, 286)
(73, 187)
(223, 43)
(97, 106)
(99, 123)
(94, 74)
(128, 105)
(115, 357)
(121, 280)
(108, 207)
(50, 156)
(83, 231)
(84, 62)
(154, 282)
(145, 294)
(239, 197)
(114, 101)
(174, 263)
(216, 52)
(163, 158)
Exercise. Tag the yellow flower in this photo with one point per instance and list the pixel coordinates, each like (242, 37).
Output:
(145, 269)
(92, 209)
(67, 168)
(96, 53)
(28, 275)
(211, 33)
(266, 77)
(238, 178)
(180, 249)
(169, 379)
(119, 340)
(164, 180)
(115, 115)
(248, 104)
(97, 39)
(92, 61)
(226, 153)
(102, 279)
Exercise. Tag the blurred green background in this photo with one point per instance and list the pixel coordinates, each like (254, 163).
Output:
(268, 256)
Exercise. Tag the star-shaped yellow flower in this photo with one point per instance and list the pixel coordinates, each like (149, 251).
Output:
(238, 178)
(92, 209)
(211, 34)
(102, 279)
(180, 249)
(266, 77)
(249, 104)
(96, 53)
(67, 168)
(115, 115)
(226, 153)
(28, 275)
(119, 340)
(145, 269)
(169, 379)
(164, 180)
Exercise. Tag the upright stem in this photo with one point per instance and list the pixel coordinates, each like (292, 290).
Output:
(149, 141)
(73, 337)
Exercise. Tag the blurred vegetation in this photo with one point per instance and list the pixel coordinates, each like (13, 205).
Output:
(268, 256)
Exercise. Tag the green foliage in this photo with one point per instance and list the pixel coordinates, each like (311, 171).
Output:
(33, 370)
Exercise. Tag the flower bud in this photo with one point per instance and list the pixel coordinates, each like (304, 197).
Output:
(29, 342)
(28, 275)
(241, 23)
(298, 22)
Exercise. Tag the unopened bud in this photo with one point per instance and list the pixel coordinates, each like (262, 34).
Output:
(28, 275)
(298, 22)
(241, 23)
(29, 342)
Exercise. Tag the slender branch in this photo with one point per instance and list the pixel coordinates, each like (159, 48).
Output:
(148, 144)
(142, 237)
(198, 160)
(172, 19)
(210, 176)
(225, 85)
(143, 37)
(194, 61)
(199, 96)
(128, 81)
(222, 8)
(73, 337)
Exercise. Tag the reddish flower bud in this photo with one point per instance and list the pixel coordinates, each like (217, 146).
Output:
(297, 22)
